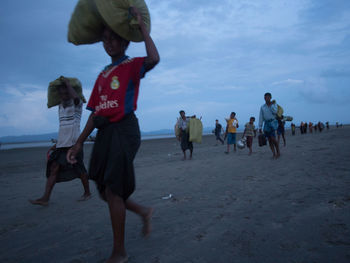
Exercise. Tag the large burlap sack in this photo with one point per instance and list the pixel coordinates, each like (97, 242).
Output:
(86, 25)
(53, 97)
(196, 130)
(90, 17)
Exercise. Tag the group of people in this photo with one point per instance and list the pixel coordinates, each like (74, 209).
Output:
(269, 124)
(310, 127)
(112, 104)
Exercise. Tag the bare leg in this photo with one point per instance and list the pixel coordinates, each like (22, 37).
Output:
(191, 151)
(228, 149)
(116, 207)
(250, 150)
(278, 154)
(144, 212)
(272, 147)
(51, 180)
(85, 181)
(184, 158)
(284, 140)
(234, 147)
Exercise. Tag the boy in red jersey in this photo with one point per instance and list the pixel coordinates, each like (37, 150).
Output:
(113, 102)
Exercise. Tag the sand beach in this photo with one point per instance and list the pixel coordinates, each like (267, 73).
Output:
(215, 208)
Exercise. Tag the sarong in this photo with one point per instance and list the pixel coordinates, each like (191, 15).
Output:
(112, 157)
(67, 171)
(185, 141)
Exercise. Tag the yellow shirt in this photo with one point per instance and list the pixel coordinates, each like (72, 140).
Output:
(232, 125)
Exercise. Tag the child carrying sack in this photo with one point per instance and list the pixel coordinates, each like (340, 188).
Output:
(196, 130)
(91, 16)
(53, 97)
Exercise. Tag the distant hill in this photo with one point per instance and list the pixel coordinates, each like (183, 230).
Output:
(49, 136)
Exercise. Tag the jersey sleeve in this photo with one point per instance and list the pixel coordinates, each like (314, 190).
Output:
(138, 68)
(93, 101)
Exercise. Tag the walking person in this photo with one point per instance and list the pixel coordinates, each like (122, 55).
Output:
(249, 132)
(57, 168)
(280, 132)
(267, 119)
(232, 125)
(183, 123)
(218, 130)
(113, 102)
(293, 128)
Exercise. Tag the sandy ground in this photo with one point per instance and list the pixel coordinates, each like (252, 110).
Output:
(224, 208)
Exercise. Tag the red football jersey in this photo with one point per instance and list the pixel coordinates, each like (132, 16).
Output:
(117, 88)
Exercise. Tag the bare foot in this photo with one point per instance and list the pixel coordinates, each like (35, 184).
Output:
(85, 197)
(278, 155)
(147, 227)
(118, 259)
(40, 201)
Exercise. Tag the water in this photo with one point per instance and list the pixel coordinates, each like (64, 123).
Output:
(8, 146)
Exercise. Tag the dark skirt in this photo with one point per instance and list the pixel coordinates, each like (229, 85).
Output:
(112, 157)
(67, 171)
(185, 141)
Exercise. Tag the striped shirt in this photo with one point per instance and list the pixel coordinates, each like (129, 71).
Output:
(69, 118)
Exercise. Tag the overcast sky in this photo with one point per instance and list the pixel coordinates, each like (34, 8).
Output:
(216, 57)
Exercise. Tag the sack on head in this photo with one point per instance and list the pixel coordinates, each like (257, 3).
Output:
(91, 16)
(53, 97)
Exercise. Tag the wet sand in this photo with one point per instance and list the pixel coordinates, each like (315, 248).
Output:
(224, 208)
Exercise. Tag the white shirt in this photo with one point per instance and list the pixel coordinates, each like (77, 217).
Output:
(183, 123)
(267, 113)
(69, 118)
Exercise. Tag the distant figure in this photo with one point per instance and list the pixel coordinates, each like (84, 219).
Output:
(305, 127)
(218, 130)
(280, 132)
(184, 134)
(232, 125)
(315, 127)
(320, 126)
(310, 126)
(337, 124)
(327, 125)
(302, 128)
(293, 128)
(267, 116)
(58, 169)
(249, 132)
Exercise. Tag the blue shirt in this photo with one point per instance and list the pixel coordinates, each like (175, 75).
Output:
(267, 113)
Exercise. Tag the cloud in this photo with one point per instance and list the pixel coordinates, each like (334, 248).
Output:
(24, 111)
(288, 82)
